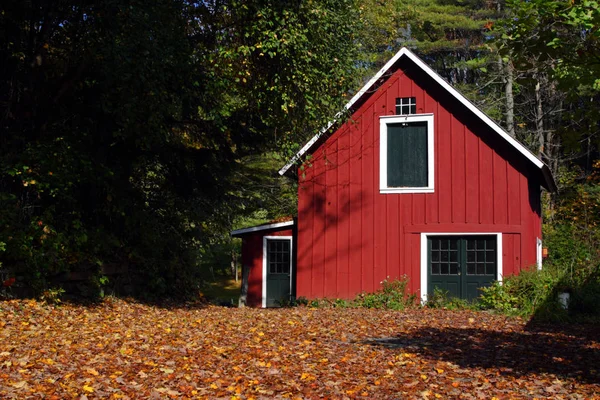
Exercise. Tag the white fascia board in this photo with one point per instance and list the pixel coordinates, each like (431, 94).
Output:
(473, 108)
(461, 98)
(261, 228)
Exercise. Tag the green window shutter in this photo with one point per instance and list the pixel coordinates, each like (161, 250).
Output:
(407, 155)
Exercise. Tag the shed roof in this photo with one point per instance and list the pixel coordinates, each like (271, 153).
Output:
(371, 86)
(288, 222)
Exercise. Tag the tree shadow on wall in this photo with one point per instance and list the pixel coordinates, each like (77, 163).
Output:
(512, 353)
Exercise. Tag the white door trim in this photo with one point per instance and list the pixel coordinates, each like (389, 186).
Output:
(425, 256)
(264, 265)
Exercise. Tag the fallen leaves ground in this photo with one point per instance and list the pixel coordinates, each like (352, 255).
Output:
(122, 349)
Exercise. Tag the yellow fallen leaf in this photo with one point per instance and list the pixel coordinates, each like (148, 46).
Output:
(424, 377)
(213, 386)
(92, 371)
(88, 389)
(19, 385)
(439, 370)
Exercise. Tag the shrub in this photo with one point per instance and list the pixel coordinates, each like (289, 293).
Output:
(498, 297)
(392, 295)
(442, 299)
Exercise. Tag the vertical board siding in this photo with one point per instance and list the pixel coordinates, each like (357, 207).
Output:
(342, 233)
(367, 210)
(457, 148)
(354, 207)
(351, 237)
(472, 196)
(332, 215)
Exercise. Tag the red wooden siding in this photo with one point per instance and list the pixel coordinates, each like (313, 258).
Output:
(252, 258)
(351, 237)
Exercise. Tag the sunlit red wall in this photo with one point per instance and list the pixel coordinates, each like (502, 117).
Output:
(351, 237)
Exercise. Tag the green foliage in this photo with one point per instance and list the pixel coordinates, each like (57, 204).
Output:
(301, 301)
(393, 295)
(53, 295)
(499, 297)
(442, 299)
(125, 125)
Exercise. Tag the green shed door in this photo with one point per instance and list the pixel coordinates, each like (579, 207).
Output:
(279, 258)
(461, 265)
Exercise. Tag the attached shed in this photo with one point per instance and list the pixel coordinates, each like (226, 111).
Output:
(417, 183)
(268, 255)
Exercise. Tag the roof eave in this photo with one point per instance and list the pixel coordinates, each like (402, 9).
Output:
(258, 228)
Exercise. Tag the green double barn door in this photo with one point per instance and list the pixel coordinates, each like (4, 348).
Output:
(460, 265)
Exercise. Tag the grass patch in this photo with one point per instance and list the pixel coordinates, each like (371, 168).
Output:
(222, 289)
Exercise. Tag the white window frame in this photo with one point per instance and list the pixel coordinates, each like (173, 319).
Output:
(264, 265)
(384, 121)
(425, 255)
(410, 102)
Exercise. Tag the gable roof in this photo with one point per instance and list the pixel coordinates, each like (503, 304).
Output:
(369, 88)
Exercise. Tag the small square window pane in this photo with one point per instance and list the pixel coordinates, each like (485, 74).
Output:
(413, 109)
(480, 256)
(470, 244)
(490, 244)
(490, 256)
(480, 269)
(444, 269)
(435, 256)
(490, 269)
(445, 244)
(470, 269)
(445, 256)
(435, 269)
(453, 269)
(453, 256)
(480, 244)
(435, 244)
(471, 256)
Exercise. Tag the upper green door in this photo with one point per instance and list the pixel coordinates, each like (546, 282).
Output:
(279, 260)
(460, 265)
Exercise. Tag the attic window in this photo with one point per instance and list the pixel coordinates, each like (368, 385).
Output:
(406, 105)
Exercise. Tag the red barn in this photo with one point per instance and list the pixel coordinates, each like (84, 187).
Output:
(418, 182)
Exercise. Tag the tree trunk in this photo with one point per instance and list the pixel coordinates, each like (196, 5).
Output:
(244, 291)
(234, 271)
(506, 68)
(539, 118)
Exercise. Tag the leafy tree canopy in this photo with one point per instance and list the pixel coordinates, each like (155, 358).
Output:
(123, 123)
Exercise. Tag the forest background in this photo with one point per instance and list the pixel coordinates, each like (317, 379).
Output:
(135, 135)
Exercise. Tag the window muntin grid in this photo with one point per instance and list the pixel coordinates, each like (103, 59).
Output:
(278, 256)
(445, 256)
(480, 258)
(406, 105)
